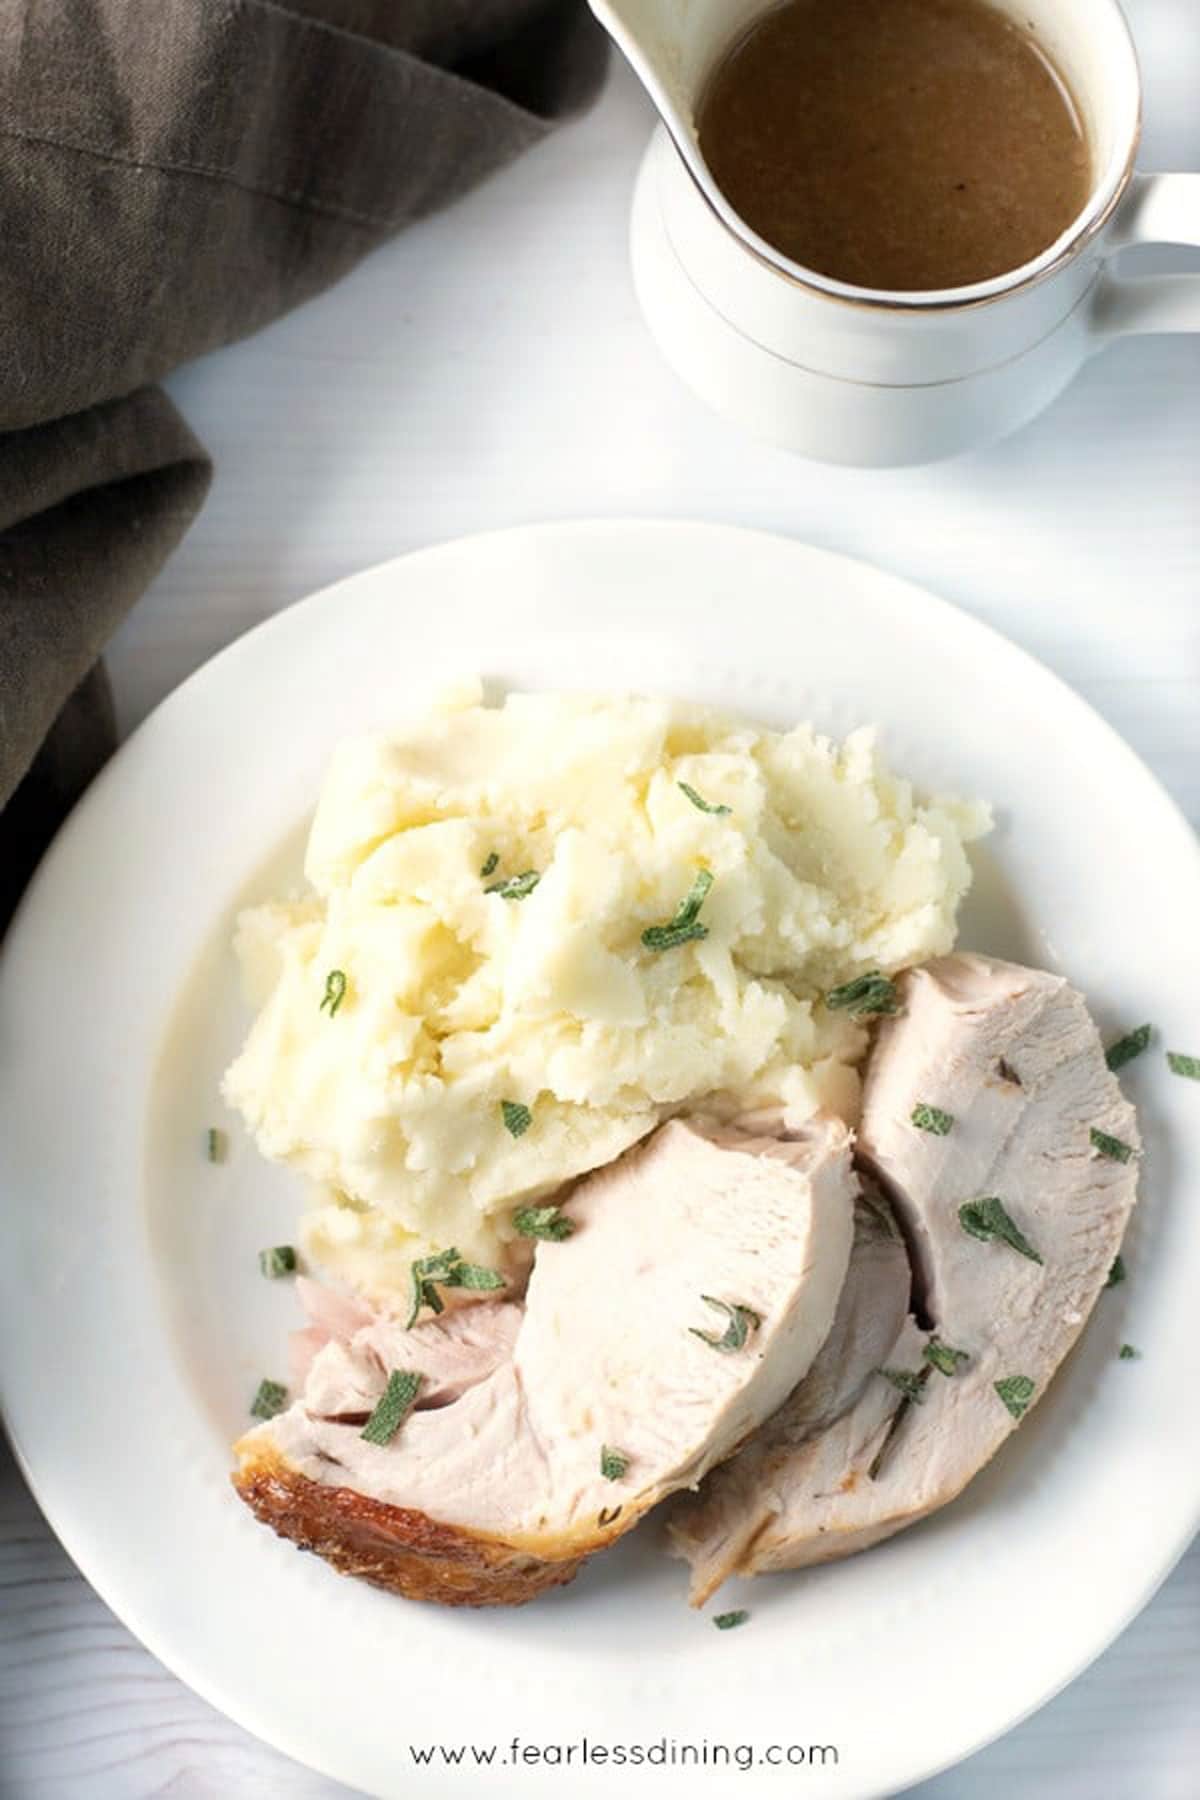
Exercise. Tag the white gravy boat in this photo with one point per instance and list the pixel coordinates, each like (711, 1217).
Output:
(855, 375)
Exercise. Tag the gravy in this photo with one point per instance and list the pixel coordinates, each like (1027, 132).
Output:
(896, 144)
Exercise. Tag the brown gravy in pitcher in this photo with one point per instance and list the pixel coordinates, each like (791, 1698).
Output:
(896, 144)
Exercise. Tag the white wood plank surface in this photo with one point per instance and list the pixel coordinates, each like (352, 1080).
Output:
(490, 367)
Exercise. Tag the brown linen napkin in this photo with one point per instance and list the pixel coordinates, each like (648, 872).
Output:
(173, 174)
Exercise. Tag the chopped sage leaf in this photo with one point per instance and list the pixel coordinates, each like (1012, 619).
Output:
(1128, 1353)
(474, 1277)
(683, 927)
(426, 1272)
(987, 1220)
(517, 1118)
(215, 1144)
(729, 1621)
(703, 805)
(446, 1269)
(887, 1442)
(669, 937)
(516, 887)
(271, 1399)
(424, 1294)
(1111, 1147)
(490, 866)
(549, 1222)
(910, 1382)
(1016, 1391)
(742, 1321)
(395, 1404)
(932, 1119)
(608, 1515)
(867, 994)
(335, 990)
(613, 1463)
(1116, 1274)
(279, 1261)
(1184, 1065)
(1127, 1047)
(944, 1359)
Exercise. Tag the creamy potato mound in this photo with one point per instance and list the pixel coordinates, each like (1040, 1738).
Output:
(459, 997)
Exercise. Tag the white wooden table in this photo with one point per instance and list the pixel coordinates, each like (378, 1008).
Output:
(490, 367)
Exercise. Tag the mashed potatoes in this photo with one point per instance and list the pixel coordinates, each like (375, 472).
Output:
(473, 946)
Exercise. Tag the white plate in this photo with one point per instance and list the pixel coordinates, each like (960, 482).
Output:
(134, 1325)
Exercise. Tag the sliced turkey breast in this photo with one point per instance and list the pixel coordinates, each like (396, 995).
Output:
(697, 1287)
(347, 1377)
(1010, 1153)
(714, 1528)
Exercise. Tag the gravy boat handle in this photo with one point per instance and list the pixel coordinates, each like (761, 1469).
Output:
(1157, 209)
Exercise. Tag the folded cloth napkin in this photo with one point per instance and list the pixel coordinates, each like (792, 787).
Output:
(174, 173)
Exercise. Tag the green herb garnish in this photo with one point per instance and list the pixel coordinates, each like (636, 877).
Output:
(516, 887)
(987, 1220)
(446, 1269)
(548, 1222)
(907, 1401)
(703, 805)
(1127, 1047)
(279, 1261)
(742, 1321)
(944, 1359)
(426, 1272)
(613, 1463)
(932, 1119)
(215, 1144)
(395, 1404)
(1184, 1065)
(335, 990)
(911, 1383)
(729, 1621)
(872, 993)
(270, 1400)
(683, 927)
(475, 1277)
(1127, 1353)
(517, 1118)
(1116, 1274)
(1016, 1391)
(490, 866)
(1112, 1147)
